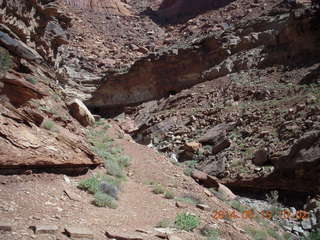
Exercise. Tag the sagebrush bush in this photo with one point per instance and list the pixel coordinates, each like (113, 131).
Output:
(165, 223)
(48, 124)
(186, 221)
(104, 200)
(105, 187)
(169, 195)
(158, 189)
(109, 189)
(237, 205)
(113, 167)
(189, 198)
(209, 232)
(90, 184)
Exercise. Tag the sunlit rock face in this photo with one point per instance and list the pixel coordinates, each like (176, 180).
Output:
(111, 7)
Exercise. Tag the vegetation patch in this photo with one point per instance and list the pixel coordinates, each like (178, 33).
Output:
(209, 232)
(188, 198)
(158, 189)
(186, 221)
(104, 200)
(165, 223)
(48, 125)
(169, 195)
(105, 187)
(189, 166)
(237, 205)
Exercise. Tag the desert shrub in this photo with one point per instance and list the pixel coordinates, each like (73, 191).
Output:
(158, 189)
(104, 200)
(109, 189)
(169, 195)
(113, 167)
(165, 223)
(187, 171)
(189, 198)
(186, 221)
(237, 205)
(5, 60)
(105, 187)
(90, 184)
(217, 194)
(209, 232)
(47, 124)
(256, 234)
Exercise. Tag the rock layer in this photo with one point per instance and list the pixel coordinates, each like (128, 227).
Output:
(110, 7)
(263, 42)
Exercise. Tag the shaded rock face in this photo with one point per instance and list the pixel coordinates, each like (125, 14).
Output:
(174, 11)
(263, 42)
(303, 161)
(111, 7)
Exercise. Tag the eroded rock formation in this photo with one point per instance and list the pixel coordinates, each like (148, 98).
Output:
(283, 39)
(110, 7)
(37, 133)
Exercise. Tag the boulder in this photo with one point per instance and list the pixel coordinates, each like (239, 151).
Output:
(260, 157)
(19, 48)
(227, 193)
(205, 179)
(213, 165)
(217, 138)
(303, 159)
(80, 112)
(192, 146)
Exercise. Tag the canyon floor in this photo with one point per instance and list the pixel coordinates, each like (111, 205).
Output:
(160, 119)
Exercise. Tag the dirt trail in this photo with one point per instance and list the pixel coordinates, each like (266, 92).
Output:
(29, 200)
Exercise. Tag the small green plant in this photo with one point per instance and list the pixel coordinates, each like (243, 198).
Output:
(5, 60)
(209, 232)
(90, 184)
(217, 194)
(169, 195)
(48, 124)
(188, 171)
(165, 223)
(31, 80)
(237, 205)
(104, 200)
(256, 234)
(188, 198)
(186, 221)
(158, 189)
